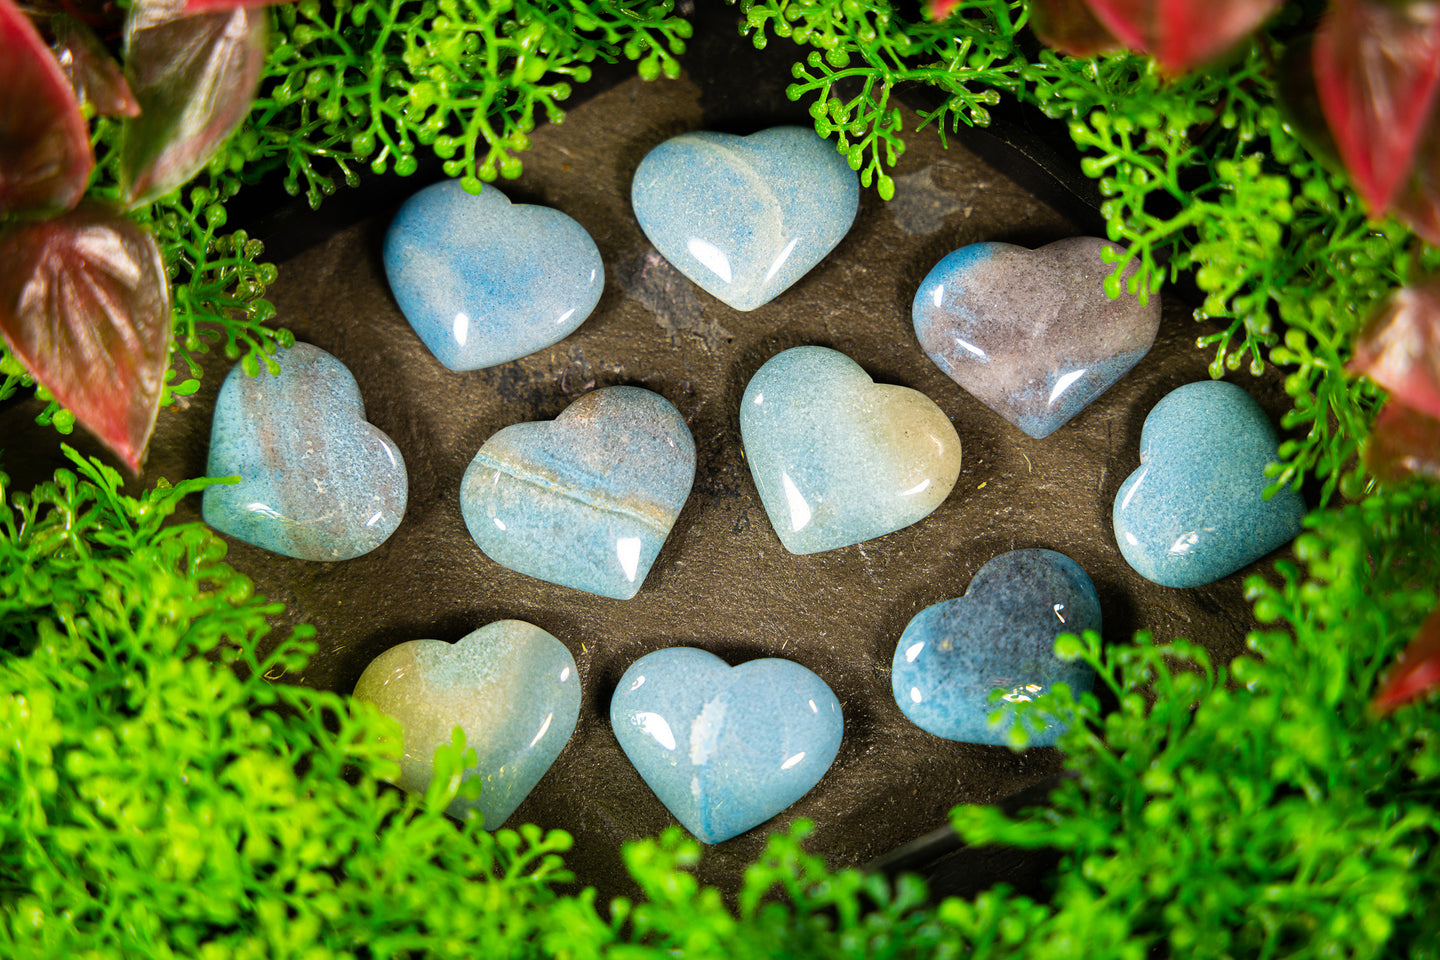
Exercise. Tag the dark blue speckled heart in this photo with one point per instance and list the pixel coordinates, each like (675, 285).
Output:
(999, 636)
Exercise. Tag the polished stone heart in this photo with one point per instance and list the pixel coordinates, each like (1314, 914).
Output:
(1194, 512)
(954, 655)
(838, 458)
(484, 281)
(725, 749)
(745, 217)
(513, 689)
(587, 499)
(1030, 333)
(317, 481)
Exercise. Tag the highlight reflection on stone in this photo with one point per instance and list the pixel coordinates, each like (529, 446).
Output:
(317, 481)
(1030, 333)
(1194, 511)
(839, 459)
(585, 500)
(1000, 636)
(725, 749)
(484, 281)
(745, 217)
(513, 688)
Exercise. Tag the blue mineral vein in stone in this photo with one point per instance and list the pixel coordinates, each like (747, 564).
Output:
(839, 459)
(513, 689)
(725, 749)
(1031, 333)
(585, 500)
(484, 281)
(1194, 511)
(1000, 636)
(745, 217)
(317, 481)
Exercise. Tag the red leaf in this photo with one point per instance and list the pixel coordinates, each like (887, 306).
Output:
(1377, 69)
(1416, 670)
(1070, 27)
(93, 73)
(1181, 34)
(1403, 441)
(45, 156)
(210, 6)
(85, 305)
(195, 78)
(1400, 347)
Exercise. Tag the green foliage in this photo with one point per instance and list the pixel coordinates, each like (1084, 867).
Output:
(165, 799)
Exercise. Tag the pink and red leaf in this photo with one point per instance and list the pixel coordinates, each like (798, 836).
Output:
(210, 6)
(1403, 442)
(195, 78)
(93, 74)
(1377, 71)
(45, 155)
(1070, 27)
(85, 306)
(1417, 669)
(1181, 34)
(1399, 348)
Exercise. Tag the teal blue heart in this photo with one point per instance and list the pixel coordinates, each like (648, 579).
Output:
(725, 748)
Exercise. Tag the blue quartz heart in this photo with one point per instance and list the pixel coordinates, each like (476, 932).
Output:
(725, 749)
(1195, 512)
(513, 689)
(838, 458)
(745, 217)
(954, 655)
(317, 481)
(587, 499)
(484, 281)
(1031, 333)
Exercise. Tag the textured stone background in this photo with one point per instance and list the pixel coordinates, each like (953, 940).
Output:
(722, 582)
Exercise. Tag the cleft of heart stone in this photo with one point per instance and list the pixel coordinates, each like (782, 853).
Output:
(725, 748)
(316, 481)
(585, 500)
(513, 688)
(1031, 333)
(745, 217)
(838, 458)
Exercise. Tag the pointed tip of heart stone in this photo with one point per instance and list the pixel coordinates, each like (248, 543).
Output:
(513, 688)
(317, 481)
(953, 656)
(725, 748)
(1031, 333)
(839, 459)
(745, 217)
(1195, 509)
(586, 500)
(483, 281)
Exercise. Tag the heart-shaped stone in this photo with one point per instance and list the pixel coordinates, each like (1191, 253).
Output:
(484, 281)
(513, 689)
(838, 458)
(954, 655)
(1031, 333)
(317, 481)
(745, 217)
(725, 749)
(1194, 511)
(587, 499)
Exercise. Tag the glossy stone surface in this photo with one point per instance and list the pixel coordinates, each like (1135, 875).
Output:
(587, 499)
(1030, 333)
(513, 689)
(1000, 636)
(745, 217)
(484, 281)
(317, 481)
(1193, 512)
(725, 749)
(838, 458)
